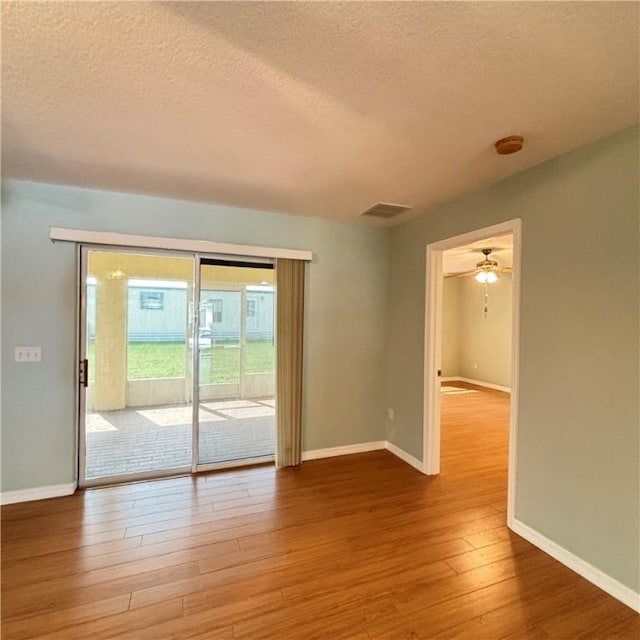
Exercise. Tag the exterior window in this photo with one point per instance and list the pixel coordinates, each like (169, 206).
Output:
(216, 309)
(251, 308)
(152, 300)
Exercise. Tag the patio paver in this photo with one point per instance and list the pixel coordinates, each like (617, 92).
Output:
(137, 440)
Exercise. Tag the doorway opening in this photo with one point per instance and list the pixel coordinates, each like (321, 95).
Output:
(471, 350)
(178, 354)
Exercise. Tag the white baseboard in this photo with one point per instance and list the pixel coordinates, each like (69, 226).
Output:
(602, 580)
(315, 454)
(479, 383)
(404, 456)
(363, 447)
(55, 491)
(38, 493)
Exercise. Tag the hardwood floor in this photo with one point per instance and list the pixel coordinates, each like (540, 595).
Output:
(356, 548)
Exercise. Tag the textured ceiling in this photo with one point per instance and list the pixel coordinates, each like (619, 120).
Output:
(309, 108)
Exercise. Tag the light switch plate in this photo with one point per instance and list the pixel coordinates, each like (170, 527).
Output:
(28, 354)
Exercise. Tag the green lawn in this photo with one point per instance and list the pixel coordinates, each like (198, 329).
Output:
(168, 360)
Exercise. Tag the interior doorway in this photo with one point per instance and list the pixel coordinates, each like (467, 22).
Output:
(177, 364)
(471, 346)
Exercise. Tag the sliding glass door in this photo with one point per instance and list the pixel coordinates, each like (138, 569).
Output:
(177, 367)
(137, 364)
(236, 363)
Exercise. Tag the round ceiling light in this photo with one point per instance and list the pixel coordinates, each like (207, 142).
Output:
(510, 144)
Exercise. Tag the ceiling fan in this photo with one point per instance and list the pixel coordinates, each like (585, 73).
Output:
(486, 271)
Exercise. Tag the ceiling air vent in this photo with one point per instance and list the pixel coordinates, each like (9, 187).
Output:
(385, 210)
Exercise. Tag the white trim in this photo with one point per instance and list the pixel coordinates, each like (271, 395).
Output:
(196, 296)
(478, 383)
(173, 244)
(404, 456)
(502, 228)
(613, 587)
(433, 347)
(432, 360)
(362, 447)
(515, 369)
(38, 493)
(81, 350)
(56, 491)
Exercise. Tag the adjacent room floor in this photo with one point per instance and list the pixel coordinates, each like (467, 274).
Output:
(356, 547)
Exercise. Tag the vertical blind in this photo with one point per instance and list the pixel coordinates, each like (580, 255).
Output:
(289, 278)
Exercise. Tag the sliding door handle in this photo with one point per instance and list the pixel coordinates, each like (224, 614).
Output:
(84, 372)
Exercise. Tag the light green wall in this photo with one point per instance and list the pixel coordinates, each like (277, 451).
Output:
(344, 333)
(578, 431)
(451, 327)
(468, 338)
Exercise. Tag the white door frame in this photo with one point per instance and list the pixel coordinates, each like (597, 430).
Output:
(433, 347)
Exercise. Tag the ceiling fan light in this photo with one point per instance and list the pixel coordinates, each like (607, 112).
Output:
(492, 277)
(482, 277)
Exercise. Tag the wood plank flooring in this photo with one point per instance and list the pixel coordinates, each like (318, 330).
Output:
(357, 548)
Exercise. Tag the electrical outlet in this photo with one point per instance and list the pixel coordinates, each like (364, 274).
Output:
(390, 413)
(28, 354)
(475, 365)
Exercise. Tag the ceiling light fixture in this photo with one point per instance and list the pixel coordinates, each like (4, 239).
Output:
(486, 269)
(486, 274)
(508, 145)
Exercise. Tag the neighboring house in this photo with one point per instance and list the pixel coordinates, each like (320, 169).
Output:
(157, 312)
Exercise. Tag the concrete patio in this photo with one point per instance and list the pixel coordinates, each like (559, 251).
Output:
(138, 440)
